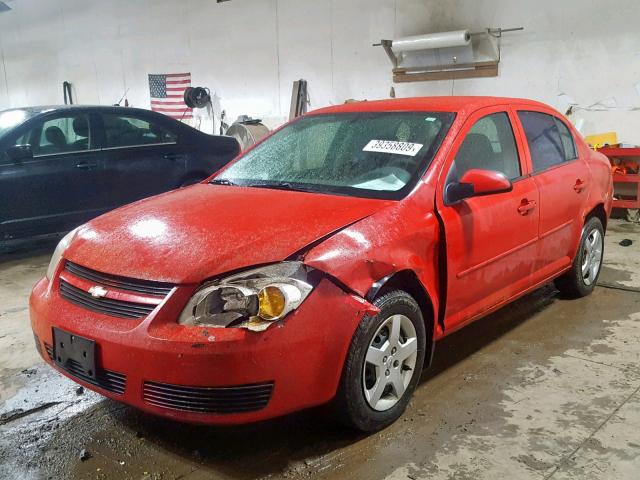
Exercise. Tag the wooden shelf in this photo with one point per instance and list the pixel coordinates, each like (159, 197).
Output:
(448, 72)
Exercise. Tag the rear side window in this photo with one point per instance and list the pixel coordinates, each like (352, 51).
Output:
(121, 131)
(489, 145)
(550, 141)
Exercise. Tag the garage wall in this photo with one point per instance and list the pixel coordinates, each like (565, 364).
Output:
(248, 52)
(586, 49)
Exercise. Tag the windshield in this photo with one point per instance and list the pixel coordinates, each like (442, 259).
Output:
(377, 155)
(10, 119)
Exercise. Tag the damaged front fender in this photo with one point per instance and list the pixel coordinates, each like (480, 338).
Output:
(362, 254)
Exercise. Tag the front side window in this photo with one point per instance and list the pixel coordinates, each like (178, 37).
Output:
(377, 155)
(11, 119)
(489, 145)
(543, 136)
(67, 134)
(125, 131)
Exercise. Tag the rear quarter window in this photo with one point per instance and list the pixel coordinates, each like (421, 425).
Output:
(568, 142)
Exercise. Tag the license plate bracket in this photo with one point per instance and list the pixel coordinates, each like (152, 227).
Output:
(74, 353)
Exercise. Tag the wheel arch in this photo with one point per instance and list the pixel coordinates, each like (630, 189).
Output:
(599, 212)
(408, 281)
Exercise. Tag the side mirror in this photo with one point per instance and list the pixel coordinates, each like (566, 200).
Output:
(477, 182)
(19, 152)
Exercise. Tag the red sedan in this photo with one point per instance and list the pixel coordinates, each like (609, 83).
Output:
(323, 264)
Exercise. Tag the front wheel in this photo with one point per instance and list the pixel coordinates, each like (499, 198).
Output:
(581, 279)
(383, 365)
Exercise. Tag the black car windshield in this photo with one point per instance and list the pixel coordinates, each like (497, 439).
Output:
(9, 119)
(376, 155)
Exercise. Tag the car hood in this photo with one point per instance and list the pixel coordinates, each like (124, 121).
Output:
(197, 232)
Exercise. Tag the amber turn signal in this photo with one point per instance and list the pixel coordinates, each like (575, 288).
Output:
(271, 303)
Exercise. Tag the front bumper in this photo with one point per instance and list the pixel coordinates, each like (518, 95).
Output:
(294, 364)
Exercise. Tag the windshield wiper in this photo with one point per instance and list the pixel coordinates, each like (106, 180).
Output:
(223, 181)
(266, 184)
(282, 186)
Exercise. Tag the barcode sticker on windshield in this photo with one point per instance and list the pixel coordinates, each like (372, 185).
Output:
(390, 146)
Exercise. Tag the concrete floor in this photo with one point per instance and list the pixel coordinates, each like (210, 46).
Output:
(544, 388)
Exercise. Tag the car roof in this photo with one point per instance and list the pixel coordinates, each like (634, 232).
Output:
(427, 104)
(35, 110)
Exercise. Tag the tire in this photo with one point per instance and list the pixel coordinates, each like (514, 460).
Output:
(583, 276)
(352, 405)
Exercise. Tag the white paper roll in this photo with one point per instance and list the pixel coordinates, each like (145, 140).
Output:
(456, 38)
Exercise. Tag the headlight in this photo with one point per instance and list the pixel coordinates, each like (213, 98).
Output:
(253, 299)
(59, 251)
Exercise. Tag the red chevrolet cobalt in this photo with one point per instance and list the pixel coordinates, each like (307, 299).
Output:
(322, 265)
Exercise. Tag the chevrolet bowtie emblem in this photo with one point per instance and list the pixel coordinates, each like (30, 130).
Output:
(97, 291)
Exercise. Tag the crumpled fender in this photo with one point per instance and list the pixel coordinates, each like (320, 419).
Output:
(365, 252)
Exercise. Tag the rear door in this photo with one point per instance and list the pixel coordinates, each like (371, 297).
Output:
(57, 189)
(141, 157)
(491, 240)
(563, 180)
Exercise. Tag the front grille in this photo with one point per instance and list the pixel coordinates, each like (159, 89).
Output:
(239, 399)
(108, 306)
(106, 379)
(160, 289)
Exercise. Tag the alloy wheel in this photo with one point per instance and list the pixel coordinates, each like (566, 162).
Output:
(390, 362)
(592, 256)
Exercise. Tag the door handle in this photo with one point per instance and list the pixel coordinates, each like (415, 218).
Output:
(579, 186)
(85, 166)
(526, 206)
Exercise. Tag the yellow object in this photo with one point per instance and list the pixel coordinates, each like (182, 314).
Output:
(602, 139)
(271, 303)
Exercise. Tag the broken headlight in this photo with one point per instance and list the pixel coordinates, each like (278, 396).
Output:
(252, 299)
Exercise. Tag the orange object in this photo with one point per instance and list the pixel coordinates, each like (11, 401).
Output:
(625, 163)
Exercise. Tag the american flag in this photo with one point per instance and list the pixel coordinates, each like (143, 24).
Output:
(167, 92)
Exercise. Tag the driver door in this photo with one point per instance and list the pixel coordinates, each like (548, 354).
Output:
(491, 240)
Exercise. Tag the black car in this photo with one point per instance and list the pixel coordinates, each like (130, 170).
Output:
(63, 165)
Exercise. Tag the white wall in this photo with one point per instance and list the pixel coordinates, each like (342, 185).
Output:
(587, 49)
(248, 52)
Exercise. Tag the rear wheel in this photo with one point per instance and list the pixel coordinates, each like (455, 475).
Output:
(384, 364)
(581, 279)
